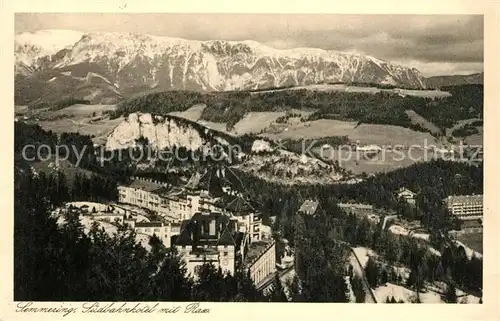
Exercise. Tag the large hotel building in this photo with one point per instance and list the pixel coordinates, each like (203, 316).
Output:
(465, 207)
(223, 230)
(468, 209)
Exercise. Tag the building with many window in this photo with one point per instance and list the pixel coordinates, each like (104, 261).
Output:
(144, 193)
(465, 207)
(356, 208)
(249, 220)
(217, 239)
(260, 260)
(164, 231)
(173, 204)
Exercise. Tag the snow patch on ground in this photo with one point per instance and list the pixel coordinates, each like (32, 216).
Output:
(260, 145)
(396, 229)
(468, 251)
(363, 253)
(401, 293)
(422, 236)
(99, 207)
(109, 228)
(434, 251)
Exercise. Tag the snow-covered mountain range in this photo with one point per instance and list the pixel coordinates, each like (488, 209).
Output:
(32, 49)
(128, 63)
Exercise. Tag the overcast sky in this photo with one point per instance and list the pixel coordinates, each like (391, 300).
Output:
(434, 44)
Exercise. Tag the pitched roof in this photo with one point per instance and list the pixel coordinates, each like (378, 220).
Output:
(194, 181)
(194, 231)
(226, 238)
(256, 250)
(144, 185)
(184, 238)
(236, 204)
(212, 182)
(309, 207)
(148, 224)
(405, 190)
(464, 199)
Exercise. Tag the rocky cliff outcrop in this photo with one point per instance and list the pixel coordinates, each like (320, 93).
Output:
(161, 133)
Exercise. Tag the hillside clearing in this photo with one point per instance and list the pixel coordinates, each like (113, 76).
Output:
(50, 166)
(424, 123)
(384, 161)
(390, 134)
(84, 119)
(84, 110)
(193, 113)
(313, 129)
(98, 130)
(364, 133)
(363, 89)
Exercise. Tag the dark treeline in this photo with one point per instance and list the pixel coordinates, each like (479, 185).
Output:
(432, 181)
(379, 108)
(29, 134)
(466, 102)
(76, 148)
(452, 267)
(58, 189)
(466, 130)
(284, 119)
(63, 263)
(94, 188)
(118, 164)
(316, 238)
(321, 261)
(60, 104)
(375, 85)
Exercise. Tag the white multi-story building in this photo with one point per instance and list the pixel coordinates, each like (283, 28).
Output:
(144, 193)
(172, 203)
(249, 220)
(260, 260)
(465, 207)
(164, 231)
(356, 207)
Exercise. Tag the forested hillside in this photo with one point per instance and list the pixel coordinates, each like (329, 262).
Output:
(379, 108)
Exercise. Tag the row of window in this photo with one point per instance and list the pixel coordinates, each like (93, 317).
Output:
(148, 229)
(184, 247)
(223, 254)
